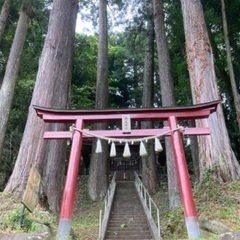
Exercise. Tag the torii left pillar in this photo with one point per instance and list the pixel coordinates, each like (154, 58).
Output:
(65, 222)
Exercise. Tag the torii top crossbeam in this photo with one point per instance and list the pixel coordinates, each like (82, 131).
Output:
(170, 114)
(115, 115)
(143, 114)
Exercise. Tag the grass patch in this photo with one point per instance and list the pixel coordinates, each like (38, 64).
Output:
(10, 214)
(214, 200)
(86, 214)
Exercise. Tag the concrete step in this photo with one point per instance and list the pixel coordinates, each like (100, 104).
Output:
(128, 221)
(127, 237)
(126, 227)
(128, 216)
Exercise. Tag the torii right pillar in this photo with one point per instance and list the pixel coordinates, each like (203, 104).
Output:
(190, 212)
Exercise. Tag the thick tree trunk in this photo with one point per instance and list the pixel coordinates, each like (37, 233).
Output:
(4, 16)
(51, 90)
(98, 179)
(236, 95)
(215, 150)
(12, 69)
(147, 97)
(98, 174)
(54, 170)
(167, 94)
(150, 174)
(194, 151)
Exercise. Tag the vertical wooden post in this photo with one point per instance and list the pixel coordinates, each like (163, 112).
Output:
(65, 221)
(184, 182)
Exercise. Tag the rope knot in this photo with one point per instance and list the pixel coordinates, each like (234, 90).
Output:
(181, 129)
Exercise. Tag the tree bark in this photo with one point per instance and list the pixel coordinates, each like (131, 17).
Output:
(98, 177)
(150, 174)
(168, 99)
(215, 152)
(236, 96)
(194, 151)
(51, 90)
(12, 69)
(4, 17)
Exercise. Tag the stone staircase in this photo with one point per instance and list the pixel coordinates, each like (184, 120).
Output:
(127, 219)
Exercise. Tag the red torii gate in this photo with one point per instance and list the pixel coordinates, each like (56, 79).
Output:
(170, 114)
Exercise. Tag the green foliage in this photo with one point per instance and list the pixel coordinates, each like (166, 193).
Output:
(83, 97)
(223, 213)
(44, 217)
(208, 176)
(85, 224)
(35, 39)
(16, 125)
(85, 60)
(214, 200)
(218, 200)
(10, 215)
(30, 221)
(172, 222)
(84, 72)
(10, 221)
(11, 218)
(126, 67)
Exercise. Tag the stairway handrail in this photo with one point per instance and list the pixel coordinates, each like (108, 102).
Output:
(147, 202)
(106, 208)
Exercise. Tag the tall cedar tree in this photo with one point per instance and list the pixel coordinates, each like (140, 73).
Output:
(12, 69)
(98, 176)
(167, 96)
(215, 152)
(150, 175)
(236, 95)
(51, 90)
(4, 17)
